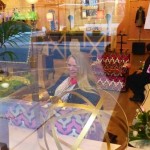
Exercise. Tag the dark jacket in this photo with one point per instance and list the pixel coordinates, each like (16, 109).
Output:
(137, 81)
(92, 97)
(144, 72)
(140, 17)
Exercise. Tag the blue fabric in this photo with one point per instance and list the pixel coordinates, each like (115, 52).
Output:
(92, 97)
(52, 25)
(21, 54)
(49, 64)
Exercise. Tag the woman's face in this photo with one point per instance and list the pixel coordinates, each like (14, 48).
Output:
(72, 67)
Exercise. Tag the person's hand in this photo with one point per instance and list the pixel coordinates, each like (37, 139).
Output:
(55, 99)
(44, 96)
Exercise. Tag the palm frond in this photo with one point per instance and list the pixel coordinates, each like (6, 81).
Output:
(11, 34)
(8, 54)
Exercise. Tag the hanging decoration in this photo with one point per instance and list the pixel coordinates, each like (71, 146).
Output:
(140, 17)
(70, 18)
(31, 1)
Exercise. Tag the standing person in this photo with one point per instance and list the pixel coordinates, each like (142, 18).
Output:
(138, 80)
(79, 79)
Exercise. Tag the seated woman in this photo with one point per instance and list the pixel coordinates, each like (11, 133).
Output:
(138, 80)
(79, 79)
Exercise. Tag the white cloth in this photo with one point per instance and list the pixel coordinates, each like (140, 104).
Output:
(64, 86)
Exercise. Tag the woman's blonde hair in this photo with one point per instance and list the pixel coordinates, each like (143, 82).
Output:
(86, 79)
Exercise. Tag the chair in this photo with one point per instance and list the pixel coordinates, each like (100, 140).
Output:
(146, 102)
(111, 70)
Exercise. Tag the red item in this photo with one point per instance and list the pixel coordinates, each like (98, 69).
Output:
(73, 81)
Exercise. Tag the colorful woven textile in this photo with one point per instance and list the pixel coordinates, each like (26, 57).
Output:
(111, 71)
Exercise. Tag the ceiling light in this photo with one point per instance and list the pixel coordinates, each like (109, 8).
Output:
(31, 1)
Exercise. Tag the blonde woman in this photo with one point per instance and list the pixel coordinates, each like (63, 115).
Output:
(79, 79)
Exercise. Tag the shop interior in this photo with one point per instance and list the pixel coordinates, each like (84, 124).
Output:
(37, 38)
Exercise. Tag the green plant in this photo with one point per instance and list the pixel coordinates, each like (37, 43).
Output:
(11, 33)
(31, 15)
(140, 130)
(14, 83)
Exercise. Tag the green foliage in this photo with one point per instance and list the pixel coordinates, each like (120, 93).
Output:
(15, 83)
(31, 15)
(10, 34)
(13, 86)
(141, 127)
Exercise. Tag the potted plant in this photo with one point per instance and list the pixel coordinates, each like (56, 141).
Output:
(140, 130)
(10, 33)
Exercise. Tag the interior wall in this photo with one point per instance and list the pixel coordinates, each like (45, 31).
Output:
(20, 4)
(10, 3)
(62, 13)
(128, 26)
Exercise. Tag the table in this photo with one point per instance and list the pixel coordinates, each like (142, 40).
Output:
(31, 141)
(25, 138)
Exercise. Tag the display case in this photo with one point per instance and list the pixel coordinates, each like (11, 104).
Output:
(27, 121)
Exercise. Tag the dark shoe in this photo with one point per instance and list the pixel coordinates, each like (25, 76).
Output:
(112, 137)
